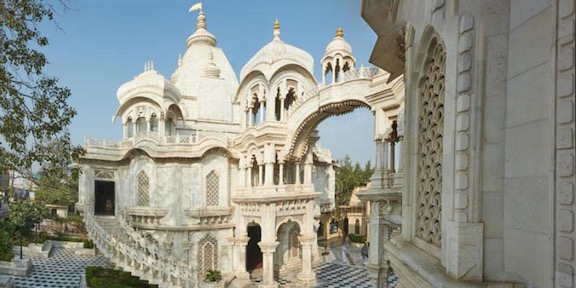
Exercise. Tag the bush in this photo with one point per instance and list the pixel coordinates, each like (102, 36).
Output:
(213, 276)
(88, 244)
(357, 238)
(100, 277)
(6, 246)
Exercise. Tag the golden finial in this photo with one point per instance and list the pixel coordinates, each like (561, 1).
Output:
(277, 29)
(339, 33)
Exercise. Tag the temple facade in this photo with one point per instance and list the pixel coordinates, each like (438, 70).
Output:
(216, 173)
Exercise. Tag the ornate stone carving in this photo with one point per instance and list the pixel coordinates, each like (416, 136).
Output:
(207, 254)
(212, 188)
(143, 189)
(430, 146)
(103, 174)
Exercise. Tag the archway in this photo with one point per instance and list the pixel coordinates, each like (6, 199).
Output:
(253, 252)
(288, 253)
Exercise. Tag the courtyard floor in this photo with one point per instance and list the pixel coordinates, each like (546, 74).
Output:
(63, 269)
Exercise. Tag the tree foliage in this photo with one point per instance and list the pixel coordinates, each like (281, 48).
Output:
(24, 214)
(34, 112)
(350, 176)
(57, 188)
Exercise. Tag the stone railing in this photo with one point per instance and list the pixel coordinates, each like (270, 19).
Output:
(350, 75)
(178, 139)
(140, 255)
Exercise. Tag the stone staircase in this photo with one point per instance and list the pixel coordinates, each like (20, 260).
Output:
(137, 254)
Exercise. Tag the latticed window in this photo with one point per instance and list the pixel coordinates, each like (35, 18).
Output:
(143, 189)
(212, 188)
(430, 146)
(293, 242)
(207, 254)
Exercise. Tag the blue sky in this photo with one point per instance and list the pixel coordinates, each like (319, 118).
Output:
(104, 43)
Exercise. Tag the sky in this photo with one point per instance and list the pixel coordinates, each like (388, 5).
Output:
(98, 45)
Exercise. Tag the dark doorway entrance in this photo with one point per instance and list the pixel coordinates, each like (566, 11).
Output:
(253, 252)
(103, 198)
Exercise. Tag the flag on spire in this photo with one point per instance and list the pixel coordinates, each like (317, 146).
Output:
(197, 6)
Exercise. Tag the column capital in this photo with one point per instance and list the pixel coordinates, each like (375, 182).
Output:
(268, 247)
(307, 239)
(239, 240)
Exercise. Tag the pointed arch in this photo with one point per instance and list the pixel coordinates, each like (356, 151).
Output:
(143, 184)
(207, 254)
(293, 242)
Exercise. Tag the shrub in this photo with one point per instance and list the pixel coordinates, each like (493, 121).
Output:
(5, 246)
(88, 244)
(213, 276)
(357, 238)
(100, 277)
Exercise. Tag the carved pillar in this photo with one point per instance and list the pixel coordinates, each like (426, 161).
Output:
(282, 98)
(281, 172)
(239, 256)
(250, 117)
(378, 236)
(262, 110)
(268, 250)
(249, 176)
(307, 276)
(308, 173)
(260, 174)
(297, 166)
(125, 130)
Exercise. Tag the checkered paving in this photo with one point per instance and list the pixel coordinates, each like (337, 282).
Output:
(333, 275)
(62, 269)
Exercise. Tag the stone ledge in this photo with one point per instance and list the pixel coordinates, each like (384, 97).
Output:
(16, 267)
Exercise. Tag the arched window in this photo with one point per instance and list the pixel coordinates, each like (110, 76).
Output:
(430, 146)
(207, 254)
(154, 123)
(141, 125)
(143, 189)
(357, 227)
(212, 189)
(293, 242)
(130, 126)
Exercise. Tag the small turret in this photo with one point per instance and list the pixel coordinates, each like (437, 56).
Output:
(337, 59)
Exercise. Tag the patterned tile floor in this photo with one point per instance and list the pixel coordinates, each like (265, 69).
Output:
(62, 269)
(334, 275)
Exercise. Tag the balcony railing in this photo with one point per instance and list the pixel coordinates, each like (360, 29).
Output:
(193, 139)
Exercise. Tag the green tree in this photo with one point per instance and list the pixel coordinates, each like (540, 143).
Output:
(350, 176)
(34, 112)
(23, 214)
(57, 188)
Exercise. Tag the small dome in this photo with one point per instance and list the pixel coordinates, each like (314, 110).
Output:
(338, 44)
(278, 52)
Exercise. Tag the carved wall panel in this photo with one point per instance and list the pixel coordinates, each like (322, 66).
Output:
(430, 146)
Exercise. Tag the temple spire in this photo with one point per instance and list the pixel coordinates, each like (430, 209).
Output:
(277, 30)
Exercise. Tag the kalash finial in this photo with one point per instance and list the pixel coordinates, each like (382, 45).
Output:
(277, 30)
(339, 33)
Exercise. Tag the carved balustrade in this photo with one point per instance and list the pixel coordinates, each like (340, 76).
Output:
(159, 139)
(139, 254)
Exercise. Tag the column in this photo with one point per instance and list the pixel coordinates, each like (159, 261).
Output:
(242, 176)
(334, 72)
(260, 175)
(281, 172)
(269, 175)
(392, 157)
(378, 236)
(308, 173)
(250, 117)
(125, 129)
(297, 182)
(282, 108)
(268, 250)
(262, 110)
(239, 256)
(307, 276)
(249, 176)
(148, 124)
(400, 165)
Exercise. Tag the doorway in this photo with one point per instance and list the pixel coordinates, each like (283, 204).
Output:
(253, 252)
(104, 196)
